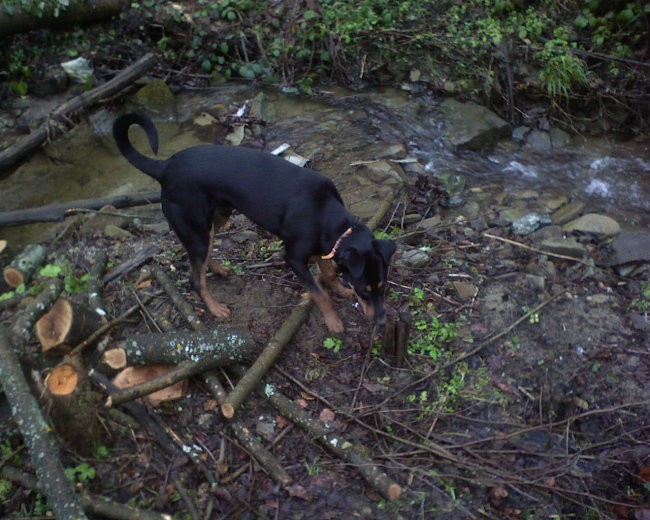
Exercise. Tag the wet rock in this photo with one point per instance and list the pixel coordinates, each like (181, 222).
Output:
(595, 224)
(524, 195)
(553, 202)
(411, 218)
(640, 321)
(453, 186)
(507, 216)
(156, 97)
(472, 127)
(547, 233)
(384, 150)
(630, 246)
(265, 427)
(430, 223)
(531, 222)
(464, 290)
(539, 140)
(567, 213)
(244, 236)
(567, 247)
(559, 138)
(411, 258)
(381, 172)
(519, 134)
(113, 231)
(53, 80)
(535, 282)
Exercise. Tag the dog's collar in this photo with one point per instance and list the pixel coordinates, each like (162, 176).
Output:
(336, 245)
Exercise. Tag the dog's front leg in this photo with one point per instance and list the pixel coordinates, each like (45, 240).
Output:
(332, 320)
(200, 284)
(328, 277)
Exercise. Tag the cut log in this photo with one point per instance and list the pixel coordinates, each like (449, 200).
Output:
(67, 324)
(133, 376)
(222, 346)
(63, 113)
(59, 210)
(73, 409)
(22, 267)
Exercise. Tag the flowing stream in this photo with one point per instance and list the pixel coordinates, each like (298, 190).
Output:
(335, 128)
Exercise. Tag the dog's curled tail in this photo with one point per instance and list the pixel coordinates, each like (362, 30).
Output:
(143, 163)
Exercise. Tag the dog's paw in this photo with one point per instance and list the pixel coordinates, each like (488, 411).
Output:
(218, 269)
(219, 310)
(334, 323)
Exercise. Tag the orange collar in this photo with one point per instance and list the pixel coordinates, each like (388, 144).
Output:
(336, 245)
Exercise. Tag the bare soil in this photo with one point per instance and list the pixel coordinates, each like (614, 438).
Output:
(549, 419)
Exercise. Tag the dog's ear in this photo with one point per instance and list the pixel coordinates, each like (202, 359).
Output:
(353, 261)
(386, 248)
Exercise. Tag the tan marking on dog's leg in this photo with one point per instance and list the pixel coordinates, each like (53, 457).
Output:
(332, 320)
(215, 267)
(199, 282)
(328, 277)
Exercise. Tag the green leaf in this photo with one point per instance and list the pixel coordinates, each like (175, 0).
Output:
(50, 271)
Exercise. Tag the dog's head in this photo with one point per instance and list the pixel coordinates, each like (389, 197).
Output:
(363, 262)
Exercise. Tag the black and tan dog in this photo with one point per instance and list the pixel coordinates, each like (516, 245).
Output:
(201, 185)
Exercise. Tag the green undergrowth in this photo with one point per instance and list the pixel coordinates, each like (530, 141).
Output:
(494, 50)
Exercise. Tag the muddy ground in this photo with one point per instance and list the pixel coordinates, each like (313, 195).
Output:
(488, 416)
(493, 414)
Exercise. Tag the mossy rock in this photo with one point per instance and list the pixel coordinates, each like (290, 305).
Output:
(156, 97)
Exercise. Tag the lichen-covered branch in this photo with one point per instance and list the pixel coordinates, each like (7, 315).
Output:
(22, 267)
(219, 347)
(95, 283)
(37, 435)
(24, 323)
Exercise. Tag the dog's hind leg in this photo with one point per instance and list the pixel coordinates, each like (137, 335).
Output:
(195, 234)
(218, 269)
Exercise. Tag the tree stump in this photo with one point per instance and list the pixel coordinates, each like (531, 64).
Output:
(396, 337)
(66, 325)
(22, 267)
(73, 409)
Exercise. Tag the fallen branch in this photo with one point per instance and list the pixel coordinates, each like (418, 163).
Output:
(24, 324)
(59, 210)
(265, 360)
(23, 266)
(332, 441)
(129, 265)
(92, 505)
(63, 113)
(36, 434)
(537, 250)
(95, 284)
(219, 347)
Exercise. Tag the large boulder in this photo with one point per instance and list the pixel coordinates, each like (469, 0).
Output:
(472, 127)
